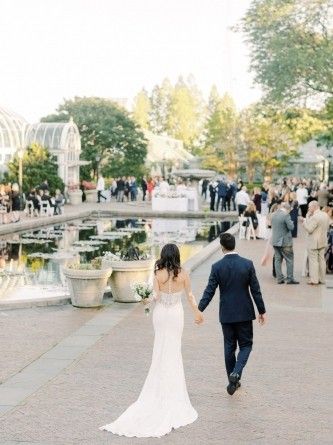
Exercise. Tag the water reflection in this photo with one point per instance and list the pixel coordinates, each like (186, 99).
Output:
(31, 262)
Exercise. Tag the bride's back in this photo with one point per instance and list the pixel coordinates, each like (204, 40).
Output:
(168, 283)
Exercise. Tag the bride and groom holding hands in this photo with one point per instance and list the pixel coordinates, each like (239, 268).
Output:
(164, 403)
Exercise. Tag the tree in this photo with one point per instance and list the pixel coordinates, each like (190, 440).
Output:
(221, 143)
(160, 99)
(186, 114)
(110, 139)
(267, 141)
(291, 47)
(38, 165)
(141, 109)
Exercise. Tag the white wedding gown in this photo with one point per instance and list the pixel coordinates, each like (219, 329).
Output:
(164, 403)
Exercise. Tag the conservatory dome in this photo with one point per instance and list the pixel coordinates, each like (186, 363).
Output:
(12, 128)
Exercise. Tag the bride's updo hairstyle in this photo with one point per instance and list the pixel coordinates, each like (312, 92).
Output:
(169, 260)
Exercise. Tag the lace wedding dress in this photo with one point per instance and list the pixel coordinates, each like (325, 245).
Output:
(164, 403)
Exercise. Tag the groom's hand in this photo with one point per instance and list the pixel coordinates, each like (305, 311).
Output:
(198, 317)
(262, 319)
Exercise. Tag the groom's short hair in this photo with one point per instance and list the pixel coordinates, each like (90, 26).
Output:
(228, 241)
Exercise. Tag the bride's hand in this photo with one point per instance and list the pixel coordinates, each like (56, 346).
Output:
(199, 319)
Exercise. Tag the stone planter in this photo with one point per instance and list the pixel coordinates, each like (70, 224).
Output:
(75, 197)
(87, 286)
(91, 195)
(124, 275)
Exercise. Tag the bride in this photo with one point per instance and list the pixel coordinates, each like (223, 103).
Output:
(163, 403)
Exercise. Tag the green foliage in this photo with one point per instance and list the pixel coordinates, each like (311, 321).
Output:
(221, 134)
(38, 165)
(141, 109)
(107, 132)
(291, 47)
(177, 111)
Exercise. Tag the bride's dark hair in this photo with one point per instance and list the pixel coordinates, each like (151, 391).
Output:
(169, 260)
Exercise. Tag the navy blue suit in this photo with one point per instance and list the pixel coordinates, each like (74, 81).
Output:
(238, 283)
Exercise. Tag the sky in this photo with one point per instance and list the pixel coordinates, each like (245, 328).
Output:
(55, 50)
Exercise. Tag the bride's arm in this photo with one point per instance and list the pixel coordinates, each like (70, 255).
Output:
(191, 299)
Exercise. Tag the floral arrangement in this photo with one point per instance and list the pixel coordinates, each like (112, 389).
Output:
(133, 253)
(145, 291)
(170, 195)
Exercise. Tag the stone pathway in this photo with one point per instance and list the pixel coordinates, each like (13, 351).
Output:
(287, 391)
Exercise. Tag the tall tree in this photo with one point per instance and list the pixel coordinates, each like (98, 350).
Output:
(38, 165)
(291, 45)
(160, 107)
(221, 143)
(186, 113)
(109, 137)
(142, 109)
(266, 139)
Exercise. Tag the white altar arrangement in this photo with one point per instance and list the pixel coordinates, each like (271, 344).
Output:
(180, 200)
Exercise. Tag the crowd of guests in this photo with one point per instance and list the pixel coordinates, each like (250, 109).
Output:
(37, 201)
(10, 203)
(284, 205)
(126, 188)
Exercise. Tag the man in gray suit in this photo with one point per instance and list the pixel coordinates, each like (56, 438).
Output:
(282, 242)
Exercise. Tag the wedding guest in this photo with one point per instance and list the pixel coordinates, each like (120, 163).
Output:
(204, 188)
(121, 184)
(242, 199)
(257, 199)
(282, 242)
(133, 188)
(150, 188)
(113, 188)
(302, 198)
(317, 225)
(15, 203)
(100, 189)
(164, 186)
(251, 212)
(33, 198)
(59, 202)
(222, 189)
(127, 188)
(294, 213)
(329, 250)
(144, 186)
(322, 196)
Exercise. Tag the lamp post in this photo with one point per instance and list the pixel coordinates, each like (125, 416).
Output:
(98, 158)
(20, 155)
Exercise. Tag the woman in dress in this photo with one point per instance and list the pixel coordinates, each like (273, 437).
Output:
(163, 403)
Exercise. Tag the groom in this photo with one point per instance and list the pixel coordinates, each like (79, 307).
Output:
(237, 281)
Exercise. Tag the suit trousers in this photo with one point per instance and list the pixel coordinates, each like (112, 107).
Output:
(234, 334)
(317, 265)
(287, 253)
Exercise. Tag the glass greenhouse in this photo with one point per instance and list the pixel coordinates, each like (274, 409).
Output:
(61, 139)
(12, 130)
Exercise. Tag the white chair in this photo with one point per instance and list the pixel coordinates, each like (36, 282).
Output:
(45, 208)
(3, 213)
(29, 208)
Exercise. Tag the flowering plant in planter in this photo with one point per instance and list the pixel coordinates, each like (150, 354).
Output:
(133, 253)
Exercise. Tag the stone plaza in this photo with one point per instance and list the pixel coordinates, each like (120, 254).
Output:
(66, 371)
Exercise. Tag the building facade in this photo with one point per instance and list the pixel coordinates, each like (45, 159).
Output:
(61, 139)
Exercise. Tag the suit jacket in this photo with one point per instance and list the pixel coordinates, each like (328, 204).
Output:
(317, 228)
(235, 277)
(282, 227)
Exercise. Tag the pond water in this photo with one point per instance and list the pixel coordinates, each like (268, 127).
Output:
(31, 262)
